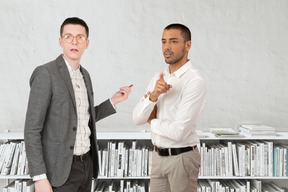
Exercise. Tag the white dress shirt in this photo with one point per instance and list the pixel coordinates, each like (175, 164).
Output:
(177, 110)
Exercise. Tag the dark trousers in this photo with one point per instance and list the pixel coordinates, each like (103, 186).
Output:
(80, 178)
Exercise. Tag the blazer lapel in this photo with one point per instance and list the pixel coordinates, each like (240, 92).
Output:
(88, 84)
(63, 70)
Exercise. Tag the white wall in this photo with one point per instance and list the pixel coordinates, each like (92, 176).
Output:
(240, 46)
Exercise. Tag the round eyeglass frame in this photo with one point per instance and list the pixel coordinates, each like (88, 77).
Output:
(76, 37)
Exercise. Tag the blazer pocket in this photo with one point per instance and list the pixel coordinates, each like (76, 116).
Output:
(50, 152)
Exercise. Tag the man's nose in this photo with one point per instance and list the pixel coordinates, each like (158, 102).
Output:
(167, 46)
(74, 41)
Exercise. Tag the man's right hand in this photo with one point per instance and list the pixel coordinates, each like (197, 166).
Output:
(43, 185)
(160, 88)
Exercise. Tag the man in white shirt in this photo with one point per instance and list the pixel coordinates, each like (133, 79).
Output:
(171, 105)
(60, 131)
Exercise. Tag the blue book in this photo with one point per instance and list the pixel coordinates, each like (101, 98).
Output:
(275, 160)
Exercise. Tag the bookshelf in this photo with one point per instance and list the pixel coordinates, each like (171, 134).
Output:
(280, 137)
(143, 139)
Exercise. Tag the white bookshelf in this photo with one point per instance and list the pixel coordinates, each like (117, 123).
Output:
(280, 137)
(125, 178)
(15, 177)
(11, 136)
(144, 136)
(140, 135)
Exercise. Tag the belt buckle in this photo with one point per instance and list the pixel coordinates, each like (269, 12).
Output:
(169, 152)
(81, 158)
(157, 149)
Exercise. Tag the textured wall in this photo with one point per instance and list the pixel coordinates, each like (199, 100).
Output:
(240, 46)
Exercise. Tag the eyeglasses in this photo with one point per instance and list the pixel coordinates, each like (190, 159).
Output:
(70, 38)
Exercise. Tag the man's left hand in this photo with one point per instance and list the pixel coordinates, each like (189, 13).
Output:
(153, 115)
(121, 95)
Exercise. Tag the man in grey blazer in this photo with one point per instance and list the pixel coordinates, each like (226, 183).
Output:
(60, 132)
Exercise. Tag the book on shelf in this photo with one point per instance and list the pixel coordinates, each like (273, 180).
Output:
(13, 160)
(30, 186)
(6, 167)
(93, 184)
(20, 185)
(280, 160)
(121, 159)
(235, 160)
(122, 186)
(9, 187)
(204, 185)
(118, 160)
(258, 158)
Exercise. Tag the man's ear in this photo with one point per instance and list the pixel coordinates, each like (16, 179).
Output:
(87, 43)
(188, 45)
(60, 42)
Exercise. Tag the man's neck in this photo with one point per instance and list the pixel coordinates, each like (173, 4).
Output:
(73, 63)
(174, 67)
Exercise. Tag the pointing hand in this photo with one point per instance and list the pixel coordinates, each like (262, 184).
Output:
(160, 88)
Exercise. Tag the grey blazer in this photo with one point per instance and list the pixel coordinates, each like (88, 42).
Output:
(51, 121)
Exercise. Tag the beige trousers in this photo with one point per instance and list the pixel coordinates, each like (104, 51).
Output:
(177, 173)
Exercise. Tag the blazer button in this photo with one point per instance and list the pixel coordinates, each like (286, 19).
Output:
(74, 128)
(71, 147)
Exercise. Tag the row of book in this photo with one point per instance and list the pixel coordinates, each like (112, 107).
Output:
(118, 160)
(13, 159)
(23, 185)
(249, 158)
(208, 185)
(120, 186)
(214, 185)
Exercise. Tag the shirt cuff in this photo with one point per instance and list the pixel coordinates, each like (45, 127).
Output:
(39, 177)
(112, 104)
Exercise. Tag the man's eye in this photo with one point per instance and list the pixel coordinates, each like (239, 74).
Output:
(68, 37)
(174, 42)
(81, 37)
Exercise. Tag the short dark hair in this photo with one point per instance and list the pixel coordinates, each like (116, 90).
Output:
(185, 32)
(74, 21)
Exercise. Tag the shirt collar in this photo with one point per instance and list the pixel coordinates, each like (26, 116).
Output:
(70, 69)
(179, 71)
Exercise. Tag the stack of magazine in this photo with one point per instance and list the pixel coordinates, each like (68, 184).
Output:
(251, 130)
(225, 132)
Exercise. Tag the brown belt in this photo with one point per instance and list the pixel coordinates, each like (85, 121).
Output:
(173, 151)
